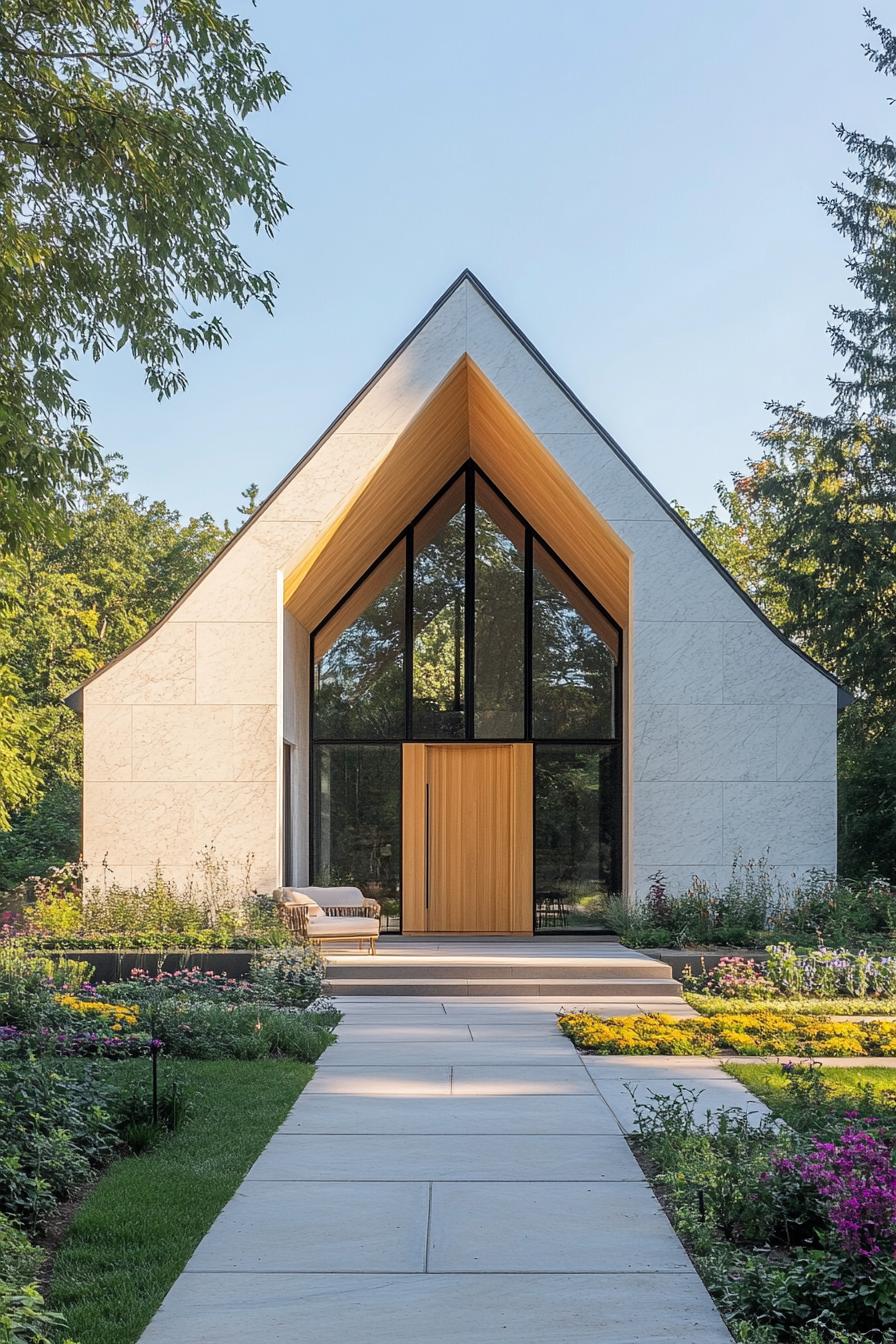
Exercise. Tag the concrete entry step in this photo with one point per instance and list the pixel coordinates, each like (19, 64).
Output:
(383, 968)
(565, 990)
(565, 969)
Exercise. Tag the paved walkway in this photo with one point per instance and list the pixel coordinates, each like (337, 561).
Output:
(455, 1173)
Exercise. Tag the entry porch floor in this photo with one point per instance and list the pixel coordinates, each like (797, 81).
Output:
(454, 1173)
(559, 968)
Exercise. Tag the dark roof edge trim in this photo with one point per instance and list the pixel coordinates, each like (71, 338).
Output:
(636, 471)
(269, 499)
(567, 391)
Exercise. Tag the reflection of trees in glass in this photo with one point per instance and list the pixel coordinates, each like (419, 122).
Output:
(572, 667)
(359, 690)
(438, 676)
(357, 812)
(499, 590)
(573, 828)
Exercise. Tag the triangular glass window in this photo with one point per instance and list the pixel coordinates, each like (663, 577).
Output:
(574, 654)
(499, 585)
(359, 658)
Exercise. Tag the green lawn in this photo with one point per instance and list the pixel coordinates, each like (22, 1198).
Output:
(132, 1236)
(768, 1082)
(710, 1005)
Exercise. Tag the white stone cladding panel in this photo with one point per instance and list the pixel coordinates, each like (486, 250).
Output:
(807, 742)
(733, 734)
(600, 473)
(673, 579)
(678, 823)
(761, 670)
(677, 662)
(159, 671)
(108, 744)
(236, 663)
(529, 389)
(794, 823)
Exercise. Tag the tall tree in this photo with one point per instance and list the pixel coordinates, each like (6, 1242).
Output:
(811, 523)
(66, 607)
(123, 154)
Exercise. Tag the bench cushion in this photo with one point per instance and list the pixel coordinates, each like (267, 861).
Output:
(348, 926)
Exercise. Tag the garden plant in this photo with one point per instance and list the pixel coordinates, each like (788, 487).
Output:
(792, 1227)
(128, 1071)
(755, 908)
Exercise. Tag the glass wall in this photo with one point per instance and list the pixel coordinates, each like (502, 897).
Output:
(574, 651)
(499, 632)
(575, 827)
(469, 628)
(439, 619)
(357, 822)
(359, 659)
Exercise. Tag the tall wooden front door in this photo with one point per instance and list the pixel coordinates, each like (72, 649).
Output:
(467, 838)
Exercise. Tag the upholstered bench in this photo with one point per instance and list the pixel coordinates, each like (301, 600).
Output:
(328, 914)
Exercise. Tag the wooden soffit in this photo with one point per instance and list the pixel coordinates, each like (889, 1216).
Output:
(465, 417)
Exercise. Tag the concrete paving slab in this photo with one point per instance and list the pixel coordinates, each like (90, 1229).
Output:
(652, 1066)
(519, 1080)
(318, 1226)
(447, 1157)
(552, 1050)
(556, 1116)
(712, 1096)
(550, 1227)
(512, 1031)
(354, 1033)
(438, 1308)
(358, 1081)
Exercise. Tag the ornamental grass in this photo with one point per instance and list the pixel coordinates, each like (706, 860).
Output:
(763, 1032)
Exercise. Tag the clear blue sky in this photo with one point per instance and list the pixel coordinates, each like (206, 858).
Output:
(636, 183)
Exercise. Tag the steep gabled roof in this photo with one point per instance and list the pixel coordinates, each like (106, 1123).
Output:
(74, 700)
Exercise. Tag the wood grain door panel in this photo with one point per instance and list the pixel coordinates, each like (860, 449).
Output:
(467, 827)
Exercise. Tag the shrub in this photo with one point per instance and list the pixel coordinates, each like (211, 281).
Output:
(793, 1234)
(19, 1257)
(213, 985)
(216, 908)
(763, 1032)
(205, 1030)
(831, 973)
(290, 977)
(25, 1319)
(53, 1127)
(753, 907)
(732, 978)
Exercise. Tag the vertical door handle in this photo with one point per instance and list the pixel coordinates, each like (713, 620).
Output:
(426, 852)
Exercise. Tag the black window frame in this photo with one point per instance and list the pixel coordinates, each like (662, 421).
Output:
(469, 473)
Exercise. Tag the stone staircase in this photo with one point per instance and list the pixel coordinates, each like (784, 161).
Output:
(564, 969)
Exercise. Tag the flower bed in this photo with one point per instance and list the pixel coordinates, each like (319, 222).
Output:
(764, 1032)
(821, 972)
(793, 1229)
(63, 1043)
(753, 908)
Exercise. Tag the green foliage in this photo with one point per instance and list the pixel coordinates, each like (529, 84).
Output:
(191, 1029)
(766, 1240)
(754, 908)
(67, 606)
(289, 977)
(24, 1318)
(133, 1235)
(125, 156)
(809, 527)
(54, 1126)
(19, 1257)
(216, 908)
